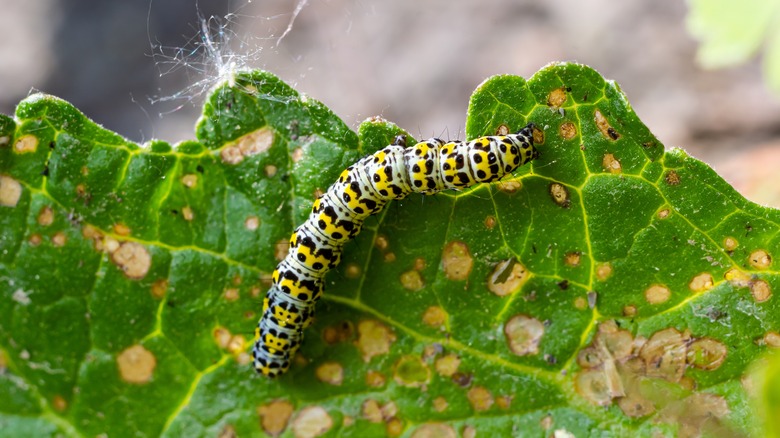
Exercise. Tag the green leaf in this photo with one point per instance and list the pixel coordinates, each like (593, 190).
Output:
(609, 288)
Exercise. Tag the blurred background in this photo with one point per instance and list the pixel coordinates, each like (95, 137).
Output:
(141, 68)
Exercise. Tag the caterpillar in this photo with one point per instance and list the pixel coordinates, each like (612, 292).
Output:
(362, 190)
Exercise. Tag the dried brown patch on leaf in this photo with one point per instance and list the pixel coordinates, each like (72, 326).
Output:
(611, 164)
(252, 223)
(136, 364)
(480, 398)
(121, 229)
(523, 334)
(572, 259)
(567, 130)
(331, 373)
(187, 213)
(297, 155)
(502, 129)
(538, 136)
(374, 338)
(664, 213)
(468, 431)
(45, 216)
(440, 404)
(435, 317)
(253, 143)
(672, 178)
(311, 422)
(697, 415)
(434, 430)
(59, 239)
(231, 294)
(507, 277)
(375, 379)
(603, 271)
(580, 303)
(270, 170)
(189, 180)
(26, 144)
(730, 243)
(490, 222)
(665, 354)
(707, 354)
(560, 194)
(343, 331)
(509, 186)
(447, 365)
(760, 259)
(10, 191)
(760, 290)
(604, 127)
(556, 98)
(629, 310)
(371, 410)
(412, 280)
(457, 261)
(222, 337)
(737, 277)
(133, 259)
(701, 282)
(274, 416)
(281, 249)
(657, 294)
(381, 242)
(353, 271)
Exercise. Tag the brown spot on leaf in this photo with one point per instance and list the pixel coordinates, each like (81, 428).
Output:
(59, 239)
(419, 264)
(730, 243)
(375, 379)
(603, 271)
(389, 257)
(737, 278)
(10, 191)
(121, 229)
(760, 259)
(664, 213)
(222, 337)
(507, 277)
(45, 216)
(339, 332)
(187, 214)
(434, 430)
(412, 280)
(310, 422)
(664, 354)
(281, 249)
(136, 364)
(556, 98)
(772, 339)
(538, 136)
(572, 259)
(629, 310)
(469, 431)
(133, 259)
(707, 354)
(490, 222)
(253, 143)
(435, 317)
(697, 415)
(440, 404)
(611, 164)
(252, 223)
(560, 194)
(352, 271)
(394, 427)
(371, 411)
(274, 416)
(189, 180)
(457, 261)
(502, 129)
(59, 403)
(604, 127)
(672, 178)
(381, 242)
(657, 294)
(270, 170)
(374, 338)
(231, 294)
(331, 373)
(26, 144)
(480, 398)
(297, 155)
(593, 386)
(580, 303)
(760, 290)
(568, 130)
(35, 239)
(701, 282)
(510, 186)
(447, 365)
(523, 334)
(159, 288)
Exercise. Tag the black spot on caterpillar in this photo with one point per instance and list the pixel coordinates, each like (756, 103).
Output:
(362, 190)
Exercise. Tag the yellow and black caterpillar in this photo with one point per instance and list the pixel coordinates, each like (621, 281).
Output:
(363, 189)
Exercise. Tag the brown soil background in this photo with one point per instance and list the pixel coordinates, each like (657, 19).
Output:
(412, 62)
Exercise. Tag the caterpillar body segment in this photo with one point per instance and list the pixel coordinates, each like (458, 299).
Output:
(362, 190)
